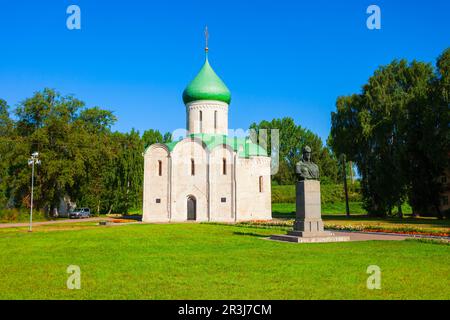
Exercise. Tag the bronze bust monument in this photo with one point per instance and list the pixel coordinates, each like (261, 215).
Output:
(305, 168)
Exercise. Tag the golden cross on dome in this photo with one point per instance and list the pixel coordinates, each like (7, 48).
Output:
(206, 38)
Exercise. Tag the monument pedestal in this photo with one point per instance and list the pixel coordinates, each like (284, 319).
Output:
(308, 226)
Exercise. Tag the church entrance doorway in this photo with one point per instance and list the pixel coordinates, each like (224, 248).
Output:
(191, 208)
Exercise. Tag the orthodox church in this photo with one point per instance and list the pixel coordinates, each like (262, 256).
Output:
(208, 175)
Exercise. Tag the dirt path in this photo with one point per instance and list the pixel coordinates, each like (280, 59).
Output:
(42, 223)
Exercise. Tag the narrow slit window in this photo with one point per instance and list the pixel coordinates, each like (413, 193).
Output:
(215, 119)
(261, 184)
(192, 167)
(224, 166)
(200, 117)
(159, 167)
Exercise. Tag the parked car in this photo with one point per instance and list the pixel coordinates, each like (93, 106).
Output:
(80, 213)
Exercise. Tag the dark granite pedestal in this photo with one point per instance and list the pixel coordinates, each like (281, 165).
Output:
(308, 226)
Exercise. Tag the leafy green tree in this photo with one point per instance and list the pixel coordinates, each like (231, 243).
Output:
(292, 138)
(167, 137)
(151, 136)
(6, 142)
(46, 124)
(395, 133)
(97, 120)
(123, 177)
(427, 136)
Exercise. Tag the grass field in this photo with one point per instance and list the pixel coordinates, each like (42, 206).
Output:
(204, 261)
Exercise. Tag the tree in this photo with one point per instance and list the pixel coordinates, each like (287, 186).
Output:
(395, 133)
(151, 136)
(123, 176)
(6, 135)
(292, 138)
(97, 120)
(427, 136)
(46, 124)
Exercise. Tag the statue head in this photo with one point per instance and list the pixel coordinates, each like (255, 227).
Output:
(306, 153)
(305, 168)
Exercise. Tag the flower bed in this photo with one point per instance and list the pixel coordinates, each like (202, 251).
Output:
(377, 228)
(284, 224)
(122, 221)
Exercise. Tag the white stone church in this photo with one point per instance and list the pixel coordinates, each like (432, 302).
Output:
(207, 176)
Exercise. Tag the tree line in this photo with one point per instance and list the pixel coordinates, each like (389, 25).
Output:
(396, 131)
(82, 158)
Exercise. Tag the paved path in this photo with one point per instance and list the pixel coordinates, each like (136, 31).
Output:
(42, 223)
(365, 236)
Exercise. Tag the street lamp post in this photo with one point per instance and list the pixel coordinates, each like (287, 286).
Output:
(31, 162)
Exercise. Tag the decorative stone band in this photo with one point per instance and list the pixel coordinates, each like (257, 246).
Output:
(207, 105)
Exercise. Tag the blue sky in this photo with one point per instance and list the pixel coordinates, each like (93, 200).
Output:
(279, 58)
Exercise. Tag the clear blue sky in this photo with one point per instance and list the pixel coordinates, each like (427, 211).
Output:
(279, 58)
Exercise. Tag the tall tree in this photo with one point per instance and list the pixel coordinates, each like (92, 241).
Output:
(394, 132)
(427, 136)
(292, 138)
(6, 143)
(123, 177)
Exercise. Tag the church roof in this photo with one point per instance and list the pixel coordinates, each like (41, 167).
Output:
(206, 86)
(243, 146)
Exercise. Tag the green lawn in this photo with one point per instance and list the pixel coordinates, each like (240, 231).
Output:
(205, 261)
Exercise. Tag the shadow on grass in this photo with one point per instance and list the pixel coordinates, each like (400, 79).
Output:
(136, 217)
(251, 234)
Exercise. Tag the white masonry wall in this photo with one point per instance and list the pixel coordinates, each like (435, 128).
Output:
(185, 184)
(221, 185)
(156, 186)
(214, 117)
(251, 203)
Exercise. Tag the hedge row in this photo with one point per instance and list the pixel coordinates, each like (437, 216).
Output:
(330, 193)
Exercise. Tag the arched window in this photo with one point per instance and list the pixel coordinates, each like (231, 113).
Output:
(192, 167)
(215, 119)
(159, 167)
(261, 182)
(224, 166)
(200, 118)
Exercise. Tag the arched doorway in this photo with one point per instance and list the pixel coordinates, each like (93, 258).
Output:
(191, 208)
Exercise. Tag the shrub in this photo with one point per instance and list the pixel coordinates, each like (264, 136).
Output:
(19, 215)
(446, 213)
(330, 193)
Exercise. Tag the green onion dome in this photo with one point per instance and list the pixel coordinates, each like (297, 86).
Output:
(206, 86)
